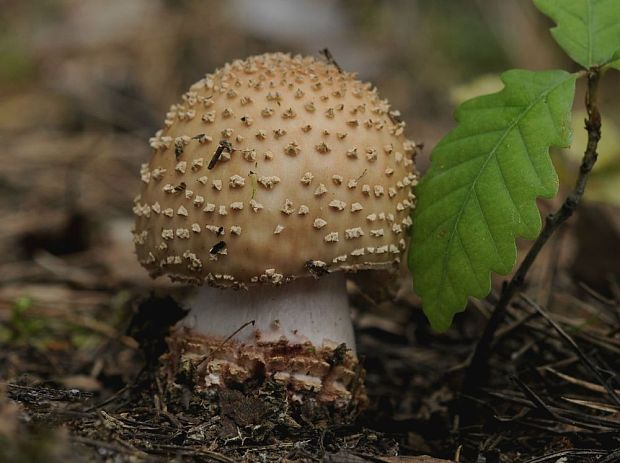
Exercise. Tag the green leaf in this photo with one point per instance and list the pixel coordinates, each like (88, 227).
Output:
(587, 30)
(481, 188)
(615, 61)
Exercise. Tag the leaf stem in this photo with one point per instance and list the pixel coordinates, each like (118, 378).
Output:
(477, 372)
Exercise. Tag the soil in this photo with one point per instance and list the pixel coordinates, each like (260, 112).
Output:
(79, 356)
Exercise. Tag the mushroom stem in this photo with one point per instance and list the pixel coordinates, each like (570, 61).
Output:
(302, 311)
(295, 345)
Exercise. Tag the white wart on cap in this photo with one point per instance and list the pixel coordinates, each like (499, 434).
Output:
(314, 174)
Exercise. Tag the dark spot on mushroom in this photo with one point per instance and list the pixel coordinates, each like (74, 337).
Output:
(220, 231)
(395, 117)
(223, 145)
(178, 148)
(339, 355)
(363, 173)
(315, 269)
(219, 246)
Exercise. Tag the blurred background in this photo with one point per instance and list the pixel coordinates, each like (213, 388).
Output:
(85, 83)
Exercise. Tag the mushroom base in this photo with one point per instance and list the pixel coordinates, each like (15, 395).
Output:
(315, 384)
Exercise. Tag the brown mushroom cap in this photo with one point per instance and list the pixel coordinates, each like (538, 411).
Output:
(314, 174)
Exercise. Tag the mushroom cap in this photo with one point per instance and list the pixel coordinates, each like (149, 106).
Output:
(272, 168)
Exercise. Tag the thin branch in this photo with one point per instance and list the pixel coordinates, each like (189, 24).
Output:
(224, 342)
(478, 368)
(611, 457)
(553, 457)
(584, 358)
(330, 59)
(536, 400)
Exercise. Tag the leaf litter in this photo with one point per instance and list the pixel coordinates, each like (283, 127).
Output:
(78, 366)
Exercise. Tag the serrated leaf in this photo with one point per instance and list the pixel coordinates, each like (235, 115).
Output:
(587, 30)
(615, 61)
(481, 188)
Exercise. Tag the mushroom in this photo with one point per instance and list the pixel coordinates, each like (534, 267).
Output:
(272, 178)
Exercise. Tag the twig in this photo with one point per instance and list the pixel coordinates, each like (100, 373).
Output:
(97, 444)
(552, 457)
(614, 455)
(535, 399)
(614, 286)
(118, 393)
(330, 58)
(592, 405)
(224, 145)
(587, 421)
(191, 451)
(38, 394)
(578, 382)
(478, 368)
(112, 398)
(584, 358)
(223, 343)
(596, 295)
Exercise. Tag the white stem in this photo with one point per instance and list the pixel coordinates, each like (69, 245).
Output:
(303, 310)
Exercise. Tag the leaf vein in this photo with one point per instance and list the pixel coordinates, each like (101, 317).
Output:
(606, 27)
(505, 185)
(529, 158)
(511, 126)
(445, 197)
(432, 232)
(487, 223)
(450, 169)
(468, 257)
(466, 137)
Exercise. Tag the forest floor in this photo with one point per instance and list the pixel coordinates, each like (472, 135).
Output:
(83, 85)
(75, 385)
